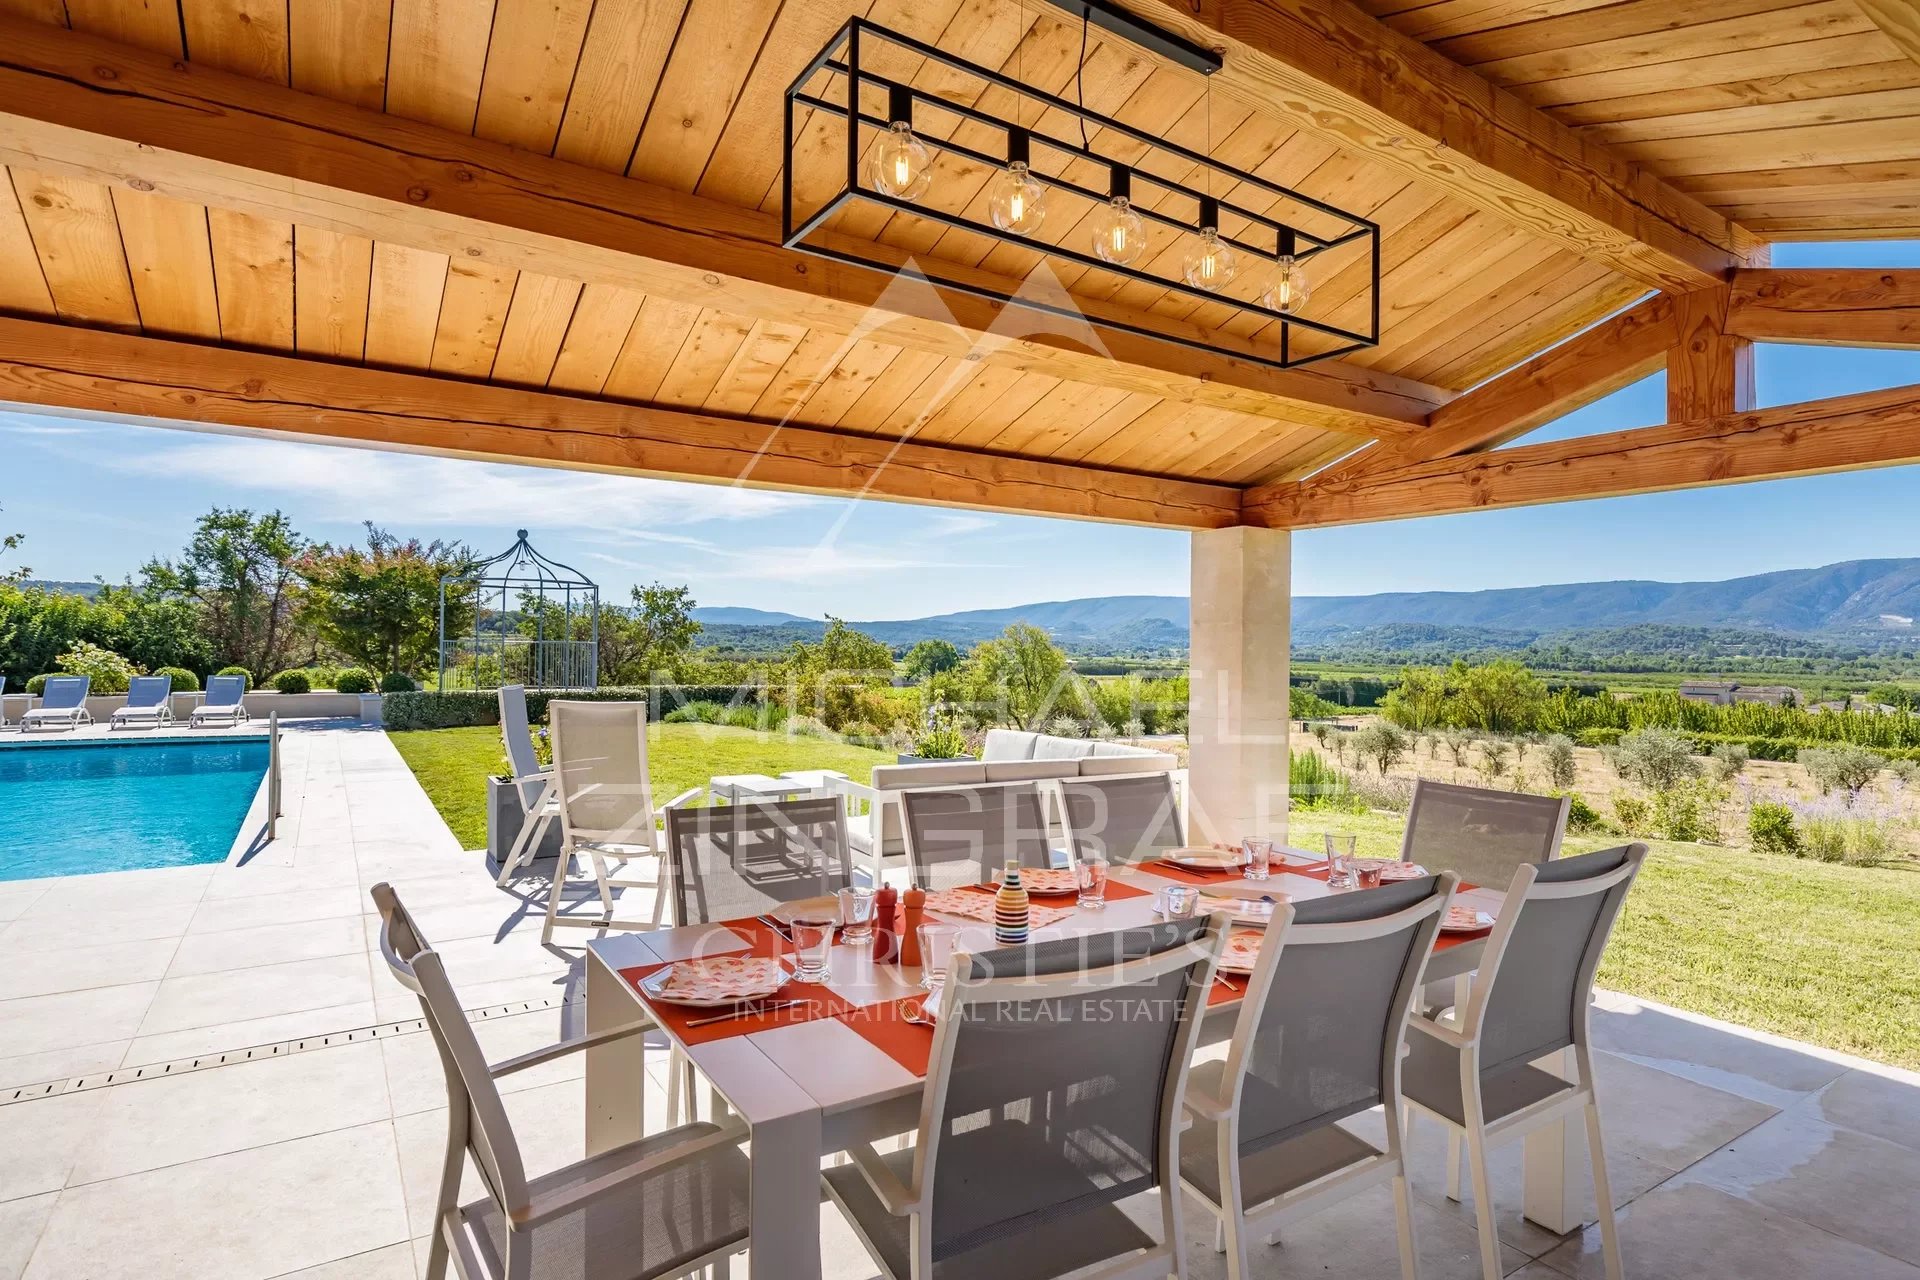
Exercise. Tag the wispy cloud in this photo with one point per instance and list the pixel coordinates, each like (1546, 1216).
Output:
(349, 484)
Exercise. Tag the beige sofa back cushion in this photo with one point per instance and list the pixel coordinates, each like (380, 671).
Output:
(1008, 744)
(1098, 766)
(1031, 770)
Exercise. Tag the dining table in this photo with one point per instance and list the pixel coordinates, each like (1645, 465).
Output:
(844, 1064)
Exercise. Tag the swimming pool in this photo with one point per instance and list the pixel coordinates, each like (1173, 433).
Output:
(67, 809)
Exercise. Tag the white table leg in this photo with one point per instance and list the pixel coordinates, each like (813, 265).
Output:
(1552, 1179)
(616, 1073)
(784, 1208)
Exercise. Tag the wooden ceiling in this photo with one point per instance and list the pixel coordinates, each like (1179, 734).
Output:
(1794, 119)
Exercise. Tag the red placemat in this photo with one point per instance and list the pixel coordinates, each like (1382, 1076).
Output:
(885, 1027)
(757, 939)
(1186, 875)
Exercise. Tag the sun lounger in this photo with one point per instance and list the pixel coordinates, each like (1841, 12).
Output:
(63, 703)
(149, 701)
(225, 701)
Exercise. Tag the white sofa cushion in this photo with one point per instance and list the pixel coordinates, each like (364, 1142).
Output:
(1051, 748)
(894, 777)
(1031, 770)
(1008, 744)
(1098, 766)
(1121, 749)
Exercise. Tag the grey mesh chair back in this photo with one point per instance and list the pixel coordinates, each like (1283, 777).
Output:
(733, 861)
(965, 835)
(1326, 1010)
(1531, 994)
(226, 691)
(1122, 818)
(148, 691)
(1480, 835)
(600, 773)
(477, 1121)
(64, 693)
(516, 732)
(1055, 1082)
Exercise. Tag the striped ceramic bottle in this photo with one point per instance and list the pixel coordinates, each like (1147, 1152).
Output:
(1011, 915)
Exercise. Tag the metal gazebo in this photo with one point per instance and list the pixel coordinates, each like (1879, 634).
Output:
(535, 622)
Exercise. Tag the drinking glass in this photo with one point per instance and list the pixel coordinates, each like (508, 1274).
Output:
(1256, 857)
(1177, 901)
(1340, 861)
(936, 953)
(1091, 872)
(856, 915)
(1366, 873)
(813, 944)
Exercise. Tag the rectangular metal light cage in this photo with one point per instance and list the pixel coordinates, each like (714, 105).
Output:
(844, 99)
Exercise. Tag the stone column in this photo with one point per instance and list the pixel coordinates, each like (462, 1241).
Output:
(1237, 707)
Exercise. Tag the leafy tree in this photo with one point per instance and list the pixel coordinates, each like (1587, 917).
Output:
(1501, 696)
(1457, 744)
(1419, 701)
(9, 544)
(1657, 759)
(1561, 769)
(152, 630)
(831, 674)
(1493, 758)
(1023, 672)
(652, 639)
(930, 658)
(240, 570)
(1894, 695)
(1846, 768)
(381, 606)
(1381, 741)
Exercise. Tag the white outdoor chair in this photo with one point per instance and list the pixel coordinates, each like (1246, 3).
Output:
(965, 835)
(1531, 997)
(532, 781)
(149, 701)
(665, 1205)
(606, 806)
(1123, 817)
(63, 703)
(1042, 1110)
(1317, 1041)
(226, 700)
(734, 861)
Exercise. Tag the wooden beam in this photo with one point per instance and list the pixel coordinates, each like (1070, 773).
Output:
(1842, 307)
(174, 383)
(1586, 367)
(1900, 19)
(1342, 73)
(1869, 429)
(85, 107)
(1709, 371)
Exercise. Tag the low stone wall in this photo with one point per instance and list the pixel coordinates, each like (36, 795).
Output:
(291, 706)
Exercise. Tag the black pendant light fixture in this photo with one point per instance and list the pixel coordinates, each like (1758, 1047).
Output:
(1101, 195)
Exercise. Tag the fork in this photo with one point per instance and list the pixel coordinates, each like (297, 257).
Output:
(754, 1011)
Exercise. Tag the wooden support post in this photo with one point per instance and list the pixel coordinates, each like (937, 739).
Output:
(1709, 371)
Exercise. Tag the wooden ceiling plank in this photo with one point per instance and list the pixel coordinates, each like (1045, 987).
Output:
(1436, 22)
(1844, 307)
(1614, 21)
(652, 344)
(715, 51)
(703, 357)
(537, 322)
(170, 263)
(261, 149)
(1900, 20)
(1868, 429)
(1854, 107)
(1510, 329)
(988, 385)
(1850, 142)
(473, 312)
(1395, 100)
(49, 11)
(338, 49)
(246, 37)
(531, 57)
(1070, 436)
(77, 238)
(253, 274)
(332, 279)
(1831, 82)
(153, 25)
(436, 60)
(1684, 41)
(403, 305)
(52, 365)
(1071, 403)
(621, 60)
(859, 364)
(813, 357)
(1770, 60)
(599, 328)
(23, 286)
(912, 376)
(754, 366)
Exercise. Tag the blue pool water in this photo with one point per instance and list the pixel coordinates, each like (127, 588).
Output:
(71, 809)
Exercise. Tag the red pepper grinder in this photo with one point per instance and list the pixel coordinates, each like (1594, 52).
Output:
(886, 925)
(913, 911)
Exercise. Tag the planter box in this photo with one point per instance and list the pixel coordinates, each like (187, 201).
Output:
(504, 817)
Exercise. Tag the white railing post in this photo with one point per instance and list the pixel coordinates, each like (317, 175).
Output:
(273, 773)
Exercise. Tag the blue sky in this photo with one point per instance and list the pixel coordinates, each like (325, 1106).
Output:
(98, 499)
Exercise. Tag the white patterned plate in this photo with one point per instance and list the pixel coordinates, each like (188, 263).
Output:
(1243, 949)
(1243, 908)
(1203, 859)
(1465, 920)
(711, 984)
(1391, 871)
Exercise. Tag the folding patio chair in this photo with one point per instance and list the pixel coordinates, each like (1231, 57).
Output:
(1317, 1041)
(532, 781)
(1053, 1092)
(1531, 997)
(665, 1205)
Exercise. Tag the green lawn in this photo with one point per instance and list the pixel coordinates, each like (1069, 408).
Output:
(453, 764)
(1817, 952)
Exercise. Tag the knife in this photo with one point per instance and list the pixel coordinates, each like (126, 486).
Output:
(743, 1013)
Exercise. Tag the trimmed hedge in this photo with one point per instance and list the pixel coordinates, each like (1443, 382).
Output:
(184, 681)
(1787, 750)
(293, 682)
(459, 708)
(397, 682)
(353, 680)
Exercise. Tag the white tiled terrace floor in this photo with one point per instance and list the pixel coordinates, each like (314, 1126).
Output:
(1733, 1155)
